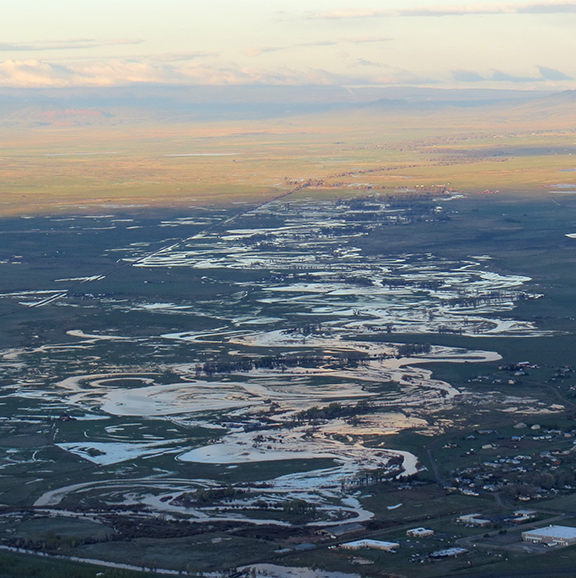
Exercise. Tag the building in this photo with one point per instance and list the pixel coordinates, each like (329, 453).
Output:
(340, 530)
(448, 553)
(419, 532)
(521, 516)
(474, 520)
(374, 544)
(551, 535)
(531, 513)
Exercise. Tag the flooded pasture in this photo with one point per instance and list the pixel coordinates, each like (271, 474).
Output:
(243, 363)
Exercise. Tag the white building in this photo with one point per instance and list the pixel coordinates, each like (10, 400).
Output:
(419, 532)
(448, 553)
(553, 535)
(522, 516)
(375, 544)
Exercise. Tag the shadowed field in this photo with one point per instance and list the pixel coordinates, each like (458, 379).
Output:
(191, 382)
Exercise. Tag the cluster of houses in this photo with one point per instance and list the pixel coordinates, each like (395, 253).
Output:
(520, 369)
(499, 472)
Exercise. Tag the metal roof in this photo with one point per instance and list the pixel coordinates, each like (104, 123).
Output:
(564, 532)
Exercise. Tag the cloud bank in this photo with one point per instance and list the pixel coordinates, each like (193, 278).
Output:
(183, 69)
(546, 74)
(74, 44)
(357, 40)
(35, 73)
(476, 9)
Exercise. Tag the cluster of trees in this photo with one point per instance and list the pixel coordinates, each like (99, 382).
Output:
(207, 496)
(333, 411)
(410, 349)
(269, 362)
(53, 542)
(360, 281)
(443, 329)
(492, 297)
(128, 527)
(309, 329)
(375, 476)
(432, 284)
(245, 364)
(225, 366)
(365, 203)
(299, 507)
(374, 170)
(371, 216)
(418, 203)
(394, 282)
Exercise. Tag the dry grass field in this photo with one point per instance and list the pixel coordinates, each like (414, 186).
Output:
(62, 168)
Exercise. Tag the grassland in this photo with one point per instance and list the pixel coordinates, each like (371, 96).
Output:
(24, 566)
(62, 169)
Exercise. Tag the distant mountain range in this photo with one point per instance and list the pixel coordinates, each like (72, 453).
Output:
(137, 104)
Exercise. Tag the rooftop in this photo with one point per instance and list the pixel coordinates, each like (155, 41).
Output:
(380, 544)
(448, 552)
(566, 532)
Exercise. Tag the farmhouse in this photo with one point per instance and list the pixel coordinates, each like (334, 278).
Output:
(419, 532)
(551, 535)
(374, 544)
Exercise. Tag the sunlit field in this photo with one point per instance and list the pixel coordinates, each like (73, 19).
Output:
(115, 164)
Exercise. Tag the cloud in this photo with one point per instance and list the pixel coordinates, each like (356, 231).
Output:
(546, 74)
(32, 73)
(352, 13)
(363, 62)
(553, 7)
(466, 76)
(500, 76)
(180, 56)
(553, 74)
(366, 39)
(74, 44)
(35, 73)
(114, 72)
(263, 50)
(549, 8)
(186, 70)
(357, 40)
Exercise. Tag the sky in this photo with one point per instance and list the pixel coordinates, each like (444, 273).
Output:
(456, 44)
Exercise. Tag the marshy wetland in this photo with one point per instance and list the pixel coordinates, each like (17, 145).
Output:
(247, 377)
